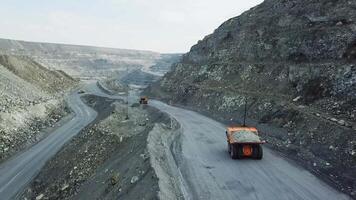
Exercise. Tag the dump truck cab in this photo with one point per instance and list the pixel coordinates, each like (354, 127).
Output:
(244, 142)
(144, 100)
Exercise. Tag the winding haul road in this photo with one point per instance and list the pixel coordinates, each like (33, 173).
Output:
(17, 172)
(209, 172)
(204, 163)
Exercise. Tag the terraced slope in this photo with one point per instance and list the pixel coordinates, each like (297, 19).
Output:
(85, 61)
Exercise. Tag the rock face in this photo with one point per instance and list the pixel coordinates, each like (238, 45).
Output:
(295, 63)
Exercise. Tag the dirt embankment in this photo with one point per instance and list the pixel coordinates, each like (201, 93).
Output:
(107, 160)
(163, 142)
(20, 130)
(31, 102)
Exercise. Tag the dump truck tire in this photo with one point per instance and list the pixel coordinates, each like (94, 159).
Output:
(239, 152)
(260, 155)
(258, 152)
(233, 152)
(228, 148)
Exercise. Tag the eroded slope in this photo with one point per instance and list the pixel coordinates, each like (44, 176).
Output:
(31, 99)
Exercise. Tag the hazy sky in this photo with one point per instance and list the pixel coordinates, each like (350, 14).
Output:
(158, 25)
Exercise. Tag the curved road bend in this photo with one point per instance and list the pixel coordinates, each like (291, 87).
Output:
(92, 88)
(17, 172)
(209, 172)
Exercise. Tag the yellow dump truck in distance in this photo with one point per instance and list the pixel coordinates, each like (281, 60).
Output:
(144, 100)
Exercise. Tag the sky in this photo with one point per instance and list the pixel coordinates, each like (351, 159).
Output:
(166, 26)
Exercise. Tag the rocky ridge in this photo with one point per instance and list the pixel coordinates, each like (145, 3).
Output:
(86, 62)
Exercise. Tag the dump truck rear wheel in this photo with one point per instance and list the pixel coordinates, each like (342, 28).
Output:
(229, 148)
(260, 155)
(258, 152)
(233, 152)
(239, 152)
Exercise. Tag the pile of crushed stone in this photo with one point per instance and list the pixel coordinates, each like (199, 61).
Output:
(245, 136)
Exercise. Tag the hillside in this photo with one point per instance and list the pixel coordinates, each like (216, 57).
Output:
(294, 61)
(36, 74)
(84, 61)
(31, 99)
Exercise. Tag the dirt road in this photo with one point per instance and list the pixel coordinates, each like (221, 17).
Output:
(19, 170)
(209, 173)
(201, 155)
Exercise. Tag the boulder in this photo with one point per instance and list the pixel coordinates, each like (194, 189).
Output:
(134, 179)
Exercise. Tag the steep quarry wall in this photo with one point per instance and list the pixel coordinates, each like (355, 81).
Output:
(295, 63)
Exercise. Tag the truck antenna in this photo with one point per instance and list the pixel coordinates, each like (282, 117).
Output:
(128, 94)
(245, 112)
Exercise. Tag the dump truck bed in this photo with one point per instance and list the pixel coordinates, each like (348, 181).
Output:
(243, 135)
(244, 142)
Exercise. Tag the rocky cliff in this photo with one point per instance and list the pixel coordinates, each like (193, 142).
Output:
(295, 63)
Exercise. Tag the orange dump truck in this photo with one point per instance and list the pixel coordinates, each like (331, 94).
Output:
(144, 100)
(244, 142)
